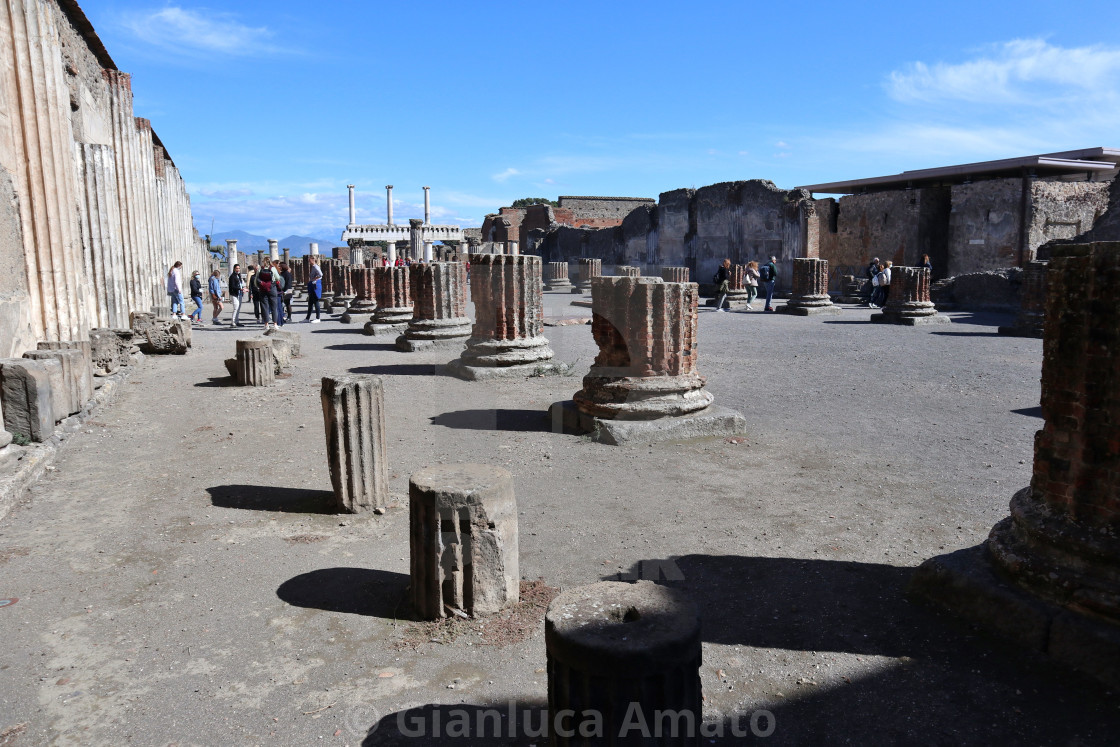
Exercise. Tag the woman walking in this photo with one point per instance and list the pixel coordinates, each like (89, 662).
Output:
(752, 283)
(175, 289)
(289, 281)
(216, 294)
(196, 296)
(723, 283)
(314, 289)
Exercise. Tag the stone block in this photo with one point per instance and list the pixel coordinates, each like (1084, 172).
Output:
(256, 365)
(354, 422)
(25, 394)
(105, 351)
(76, 385)
(293, 338)
(165, 338)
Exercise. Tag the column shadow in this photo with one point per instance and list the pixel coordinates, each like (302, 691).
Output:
(521, 421)
(356, 591)
(269, 498)
(401, 369)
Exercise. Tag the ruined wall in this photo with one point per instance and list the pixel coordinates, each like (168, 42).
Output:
(589, 212)
(597, 211)
(985, 225)
(1064, 210)
(826, 218)
(896, 225)
(96, 209)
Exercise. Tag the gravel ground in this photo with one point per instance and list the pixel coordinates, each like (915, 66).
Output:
(181, 580)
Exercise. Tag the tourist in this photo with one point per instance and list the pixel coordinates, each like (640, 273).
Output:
(289, 289)
(196, 296)
(255, 292)
(175, 289)
(266, 289)
(399, 262)
(722, 279)
(885, 287)
(872, 271)
(752, 276)
(278, 300)
(769, 275)
(236, 287)
(216, 294)
(873, 302)
(926, 263)
(314, 289)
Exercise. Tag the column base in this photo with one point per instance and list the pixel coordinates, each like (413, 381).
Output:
(563, 287)
(735, 300)
(467, 372)
(968, 586)
(713, 421)
(428, 334)
(373, 328)
(909, 321)
(809, 310)
(582, 289)
(356, 317)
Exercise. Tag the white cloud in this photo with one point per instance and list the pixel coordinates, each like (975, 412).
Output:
(182, 30)
(503, 176)
(781, 144)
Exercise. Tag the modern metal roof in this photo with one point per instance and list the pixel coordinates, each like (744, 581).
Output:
(1071, 162)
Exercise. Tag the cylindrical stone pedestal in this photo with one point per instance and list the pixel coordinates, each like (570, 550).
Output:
(507, 338)
(439, 307)
(908, 302)
(627, 271)
(618, 654)
(342, 286)
(326, 294)
(255, 364)
(556, 277)
(354, 422)
(463, 540)
(588, 269)
(1032, 302)
(674, 274)
(394, 301)
(810, 289)
(364, 303)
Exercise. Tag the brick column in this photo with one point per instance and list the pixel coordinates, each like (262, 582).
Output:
(627, 271)
(327, 283)
(394, 301)
(908, 301)
(556, 277)
(362, 307)
(507, 339)
(439, 307)
(810, 289)
(588, 269)
(1032, 302)
(674, 274)
(342, 286)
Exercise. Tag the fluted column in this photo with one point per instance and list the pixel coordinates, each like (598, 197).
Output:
(588, 269)
(394, 301)
(439, 301)
(255, 364)
(342, 285)
(908, 302)
(810, 289)
(556, 277)
(674, 274)
(274, 249)
(362, 307)
(627, 271)
(354, 423)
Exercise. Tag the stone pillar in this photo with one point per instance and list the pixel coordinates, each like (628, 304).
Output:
(26, 398)
(353, 211)
(427, 251)
(314, 249)
(260, 259)
(908, 302)
(274, 249)
(463, 540)
(514, 248)
(439, 307)
(588, 269)
(105, 352)
(1047, 576)
(427, 206)
(391, 252)
(326, 295)
(362, 307)
(389, 204)
(415, 238)
(646, 366)
(76, 379)
(255, 365)
(1032, 302)
(556, 277)
(674, 274)
(507, 339)
(354, 422)
(342, 286)
(613, 647)
(627, 271)
(394, 301)
(810, 289)
(231, 252)
(287, 257)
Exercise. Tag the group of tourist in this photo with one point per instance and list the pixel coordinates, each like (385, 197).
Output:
(270, 287)
(879, 273)
(175, 289)
(753, 276)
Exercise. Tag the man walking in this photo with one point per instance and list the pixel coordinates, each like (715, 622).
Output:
(770, 278)
(235, 290)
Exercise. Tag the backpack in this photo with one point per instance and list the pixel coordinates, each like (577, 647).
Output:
(264, 279)
(715, 278)
(764, 273)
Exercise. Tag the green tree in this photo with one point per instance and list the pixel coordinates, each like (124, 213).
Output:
(527, 201)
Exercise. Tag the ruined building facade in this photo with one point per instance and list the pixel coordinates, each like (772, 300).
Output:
(527, 224)
(93, 210)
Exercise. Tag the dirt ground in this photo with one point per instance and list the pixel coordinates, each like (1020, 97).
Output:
(181, 579)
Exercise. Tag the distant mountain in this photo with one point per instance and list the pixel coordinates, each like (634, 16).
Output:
(248, 242)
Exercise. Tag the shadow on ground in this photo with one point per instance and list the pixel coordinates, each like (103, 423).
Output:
(948, 333)
(523, 421)
(1030, 412)
(357, 591)
(400, 369)
(268, 498)
(213, 381)
(361, 346)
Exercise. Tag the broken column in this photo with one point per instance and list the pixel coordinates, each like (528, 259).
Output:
(439, 307)
(85, 347)
(364, 304)
(255, 365)
(588, 269)
(1032, 302)
(326, 294)
(556, 277)
(908, 302)
(620, 653)
(507, 339)
(354, 422)
(26, 398)
(105, 352)
(627, 271)
(674, 274)
(394, 301)
(463, 540)
(644, 383)
(75, 387)
(810, 289)
(165, 337)
(1047, 576)
(342, 286)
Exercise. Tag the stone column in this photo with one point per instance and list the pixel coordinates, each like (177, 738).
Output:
(415, 238)
(231, 251)
(810, 289)
(394, 301)
(674, 274)
(274, 249)
(1047, 576)
(646, 366)
(614, 647)
(427, 206)
(343, 288)
(286, 257)
(314, 248)
(76, 379)
(354, 422)
(514, 248)
(908, 301)
(507, 339)
(260, 258)
(439, 313)
(362, 307)
(556, 277)
(26, 398)
(588, 269)
(627, 271)
(326, 295)
(1032, 302)
(389, 204)
(255, 365)
(427, 251)
(463, 540)
(353, 212)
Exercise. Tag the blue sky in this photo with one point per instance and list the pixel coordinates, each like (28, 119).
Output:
(270, 108)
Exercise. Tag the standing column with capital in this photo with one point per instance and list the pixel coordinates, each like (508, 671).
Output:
(427, 251)
(427, 206)
(439, 307)
(274, 249)
(810, 289)
(389, 204)
(908, 302)
(353, 211)
(231, 253)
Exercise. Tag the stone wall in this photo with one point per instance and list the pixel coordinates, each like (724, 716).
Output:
(518, 224)
(95, 211)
